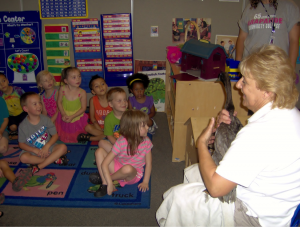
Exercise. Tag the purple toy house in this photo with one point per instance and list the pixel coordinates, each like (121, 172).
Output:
(201, 59)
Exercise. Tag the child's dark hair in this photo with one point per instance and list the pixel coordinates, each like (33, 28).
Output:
(65, 72)
(137, 78)
(112, 91)
(25, 96)
(92, 79)
(130, 124)
(2, 74)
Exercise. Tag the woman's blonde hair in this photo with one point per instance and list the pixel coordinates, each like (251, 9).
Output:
(273, 72)
(130, 124)
(39, 78)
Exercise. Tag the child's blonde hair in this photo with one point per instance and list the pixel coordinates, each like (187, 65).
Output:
(130, 124)
(39, 78)
(111, 92)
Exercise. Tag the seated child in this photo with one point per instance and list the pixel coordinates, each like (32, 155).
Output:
(11, 95)
(38, 136)
(99, 109)
(3, 126)
(46, 83)
(17, 182)
(125, 162)
(117, 100)
(137, 84)
(71, 119)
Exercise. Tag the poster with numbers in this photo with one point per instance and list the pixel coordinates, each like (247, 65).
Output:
(57, 48)
(87, 49)
(21, 56)
(62, 9)
(117, 48)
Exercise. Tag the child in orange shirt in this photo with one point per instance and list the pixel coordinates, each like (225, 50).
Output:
(99, 108)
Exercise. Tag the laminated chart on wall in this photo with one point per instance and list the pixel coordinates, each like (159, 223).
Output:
(87, 49)
(21, 56)
(56, 9)
(117, 48)
(57, 48)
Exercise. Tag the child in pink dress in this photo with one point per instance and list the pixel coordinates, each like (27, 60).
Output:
(46, 83)
(71, 119)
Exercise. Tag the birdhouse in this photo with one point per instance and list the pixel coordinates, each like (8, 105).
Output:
(203, 59)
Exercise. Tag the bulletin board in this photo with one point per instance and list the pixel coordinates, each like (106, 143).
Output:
(21, 56)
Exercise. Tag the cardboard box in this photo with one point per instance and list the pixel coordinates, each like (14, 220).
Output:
(195, 125)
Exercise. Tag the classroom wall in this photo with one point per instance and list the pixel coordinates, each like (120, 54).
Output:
(224, 17)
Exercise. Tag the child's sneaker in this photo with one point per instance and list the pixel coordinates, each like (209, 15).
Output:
(95, 178)
(63, 160)
(21, 180)
(34, 169)
(152, 129)
(102, 191)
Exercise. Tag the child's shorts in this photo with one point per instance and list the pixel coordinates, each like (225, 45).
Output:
(32, 153)
(137, 178)
(16, 120)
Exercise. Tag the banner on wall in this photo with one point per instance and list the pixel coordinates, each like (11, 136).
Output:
(57, 48)
(21, 56)
(87, 49)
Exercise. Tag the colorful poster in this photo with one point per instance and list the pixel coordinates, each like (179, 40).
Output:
(117, 45)
(56, 9)
(87, 49)
(21, 56)
(179, 28)
(156, 88)
(57, 48)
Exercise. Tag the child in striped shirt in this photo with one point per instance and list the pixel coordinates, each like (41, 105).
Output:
(125, 162)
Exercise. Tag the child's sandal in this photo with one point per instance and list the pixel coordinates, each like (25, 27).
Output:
(34, 169)
(64, 161)
(21, 180)
(82, 138)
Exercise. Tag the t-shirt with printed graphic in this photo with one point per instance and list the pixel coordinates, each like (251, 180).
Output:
(100, 112)
(13, 101)
(258, 25)
(145, 107)
(36, 135)
(112, 125)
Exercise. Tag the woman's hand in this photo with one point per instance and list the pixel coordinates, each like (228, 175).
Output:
(224, 117)
(206, 136)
